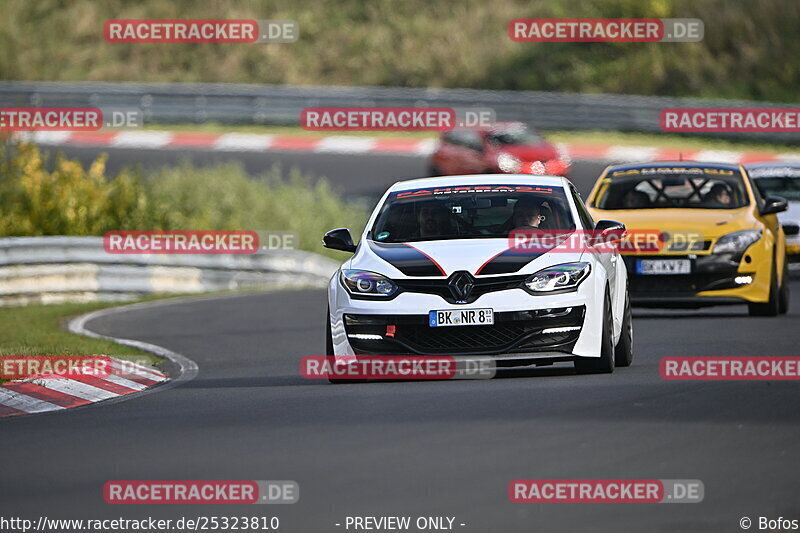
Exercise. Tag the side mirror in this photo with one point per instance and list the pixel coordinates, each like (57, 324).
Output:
(609, 225)
(774, 204)
(339, 239)
(609, 231)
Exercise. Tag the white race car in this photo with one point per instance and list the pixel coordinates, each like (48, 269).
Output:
(782, 179)
(436, 272)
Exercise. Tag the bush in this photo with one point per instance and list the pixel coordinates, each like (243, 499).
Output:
(63, 198)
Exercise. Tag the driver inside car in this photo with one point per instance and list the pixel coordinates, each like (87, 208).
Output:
(434, 221)
(527, 214)
(719, 196)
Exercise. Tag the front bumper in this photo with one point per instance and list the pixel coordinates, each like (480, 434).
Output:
(359, 327)
(715, 279)
(513, 332)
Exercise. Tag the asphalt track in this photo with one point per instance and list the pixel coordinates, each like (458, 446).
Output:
(355, 175)
(419, 448)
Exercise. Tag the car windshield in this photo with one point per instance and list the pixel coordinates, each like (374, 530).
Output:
(659, 188)
(778, 181)
(470, 212)
(513, 136)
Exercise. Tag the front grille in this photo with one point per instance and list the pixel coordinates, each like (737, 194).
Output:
(512, 332)
(440, 287)
(681, 283)
(468, 338)
(708, 272)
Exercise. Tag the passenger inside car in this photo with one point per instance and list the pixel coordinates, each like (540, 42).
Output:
(636, 199)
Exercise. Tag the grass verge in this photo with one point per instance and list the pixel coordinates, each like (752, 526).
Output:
(41, 330)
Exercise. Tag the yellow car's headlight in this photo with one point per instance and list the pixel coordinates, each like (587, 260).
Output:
(737, 242)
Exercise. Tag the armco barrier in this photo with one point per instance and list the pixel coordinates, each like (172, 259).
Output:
(59, 269)
(281, 104)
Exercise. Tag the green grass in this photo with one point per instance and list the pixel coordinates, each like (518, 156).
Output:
(41, 330)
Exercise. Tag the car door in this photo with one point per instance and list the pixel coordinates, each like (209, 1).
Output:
(610, 260)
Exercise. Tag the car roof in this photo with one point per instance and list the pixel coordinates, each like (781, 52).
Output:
(761, 170)
(687, 164)
(481, 179)
(496, 127)
(767, 164)
(774, 169)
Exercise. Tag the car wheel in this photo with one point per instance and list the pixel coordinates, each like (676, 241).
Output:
(605, 363)
(623, 353)
(772, 306)
(329, 352)
(783, 305)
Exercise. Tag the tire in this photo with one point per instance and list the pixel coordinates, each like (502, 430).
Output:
(783, 293)
(623, 352)
(329, 353)
(772, 306)
(605, 363)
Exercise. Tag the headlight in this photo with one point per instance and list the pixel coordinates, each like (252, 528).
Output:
(508, 163)
(558, 277)
(364, 283)
(736, 242)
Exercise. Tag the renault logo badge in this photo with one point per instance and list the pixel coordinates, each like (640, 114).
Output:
(461, 284)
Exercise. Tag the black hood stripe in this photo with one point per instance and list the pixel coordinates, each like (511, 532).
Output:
(513, 259)
(407, 259)
(508, 261)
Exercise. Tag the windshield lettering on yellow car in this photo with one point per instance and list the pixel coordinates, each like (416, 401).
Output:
(673, 187)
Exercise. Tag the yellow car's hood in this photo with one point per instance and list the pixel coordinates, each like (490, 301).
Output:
(712, 223)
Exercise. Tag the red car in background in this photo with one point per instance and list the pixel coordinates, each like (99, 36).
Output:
(504, 148)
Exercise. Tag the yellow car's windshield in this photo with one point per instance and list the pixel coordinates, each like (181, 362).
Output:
(689, 188)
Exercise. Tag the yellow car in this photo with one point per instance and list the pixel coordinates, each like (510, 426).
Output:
(715, 240)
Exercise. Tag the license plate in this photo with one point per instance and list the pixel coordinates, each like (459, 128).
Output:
(663, 266)
(461, 317)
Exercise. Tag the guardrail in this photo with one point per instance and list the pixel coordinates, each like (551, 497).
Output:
(281, 104)
(61, 269)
